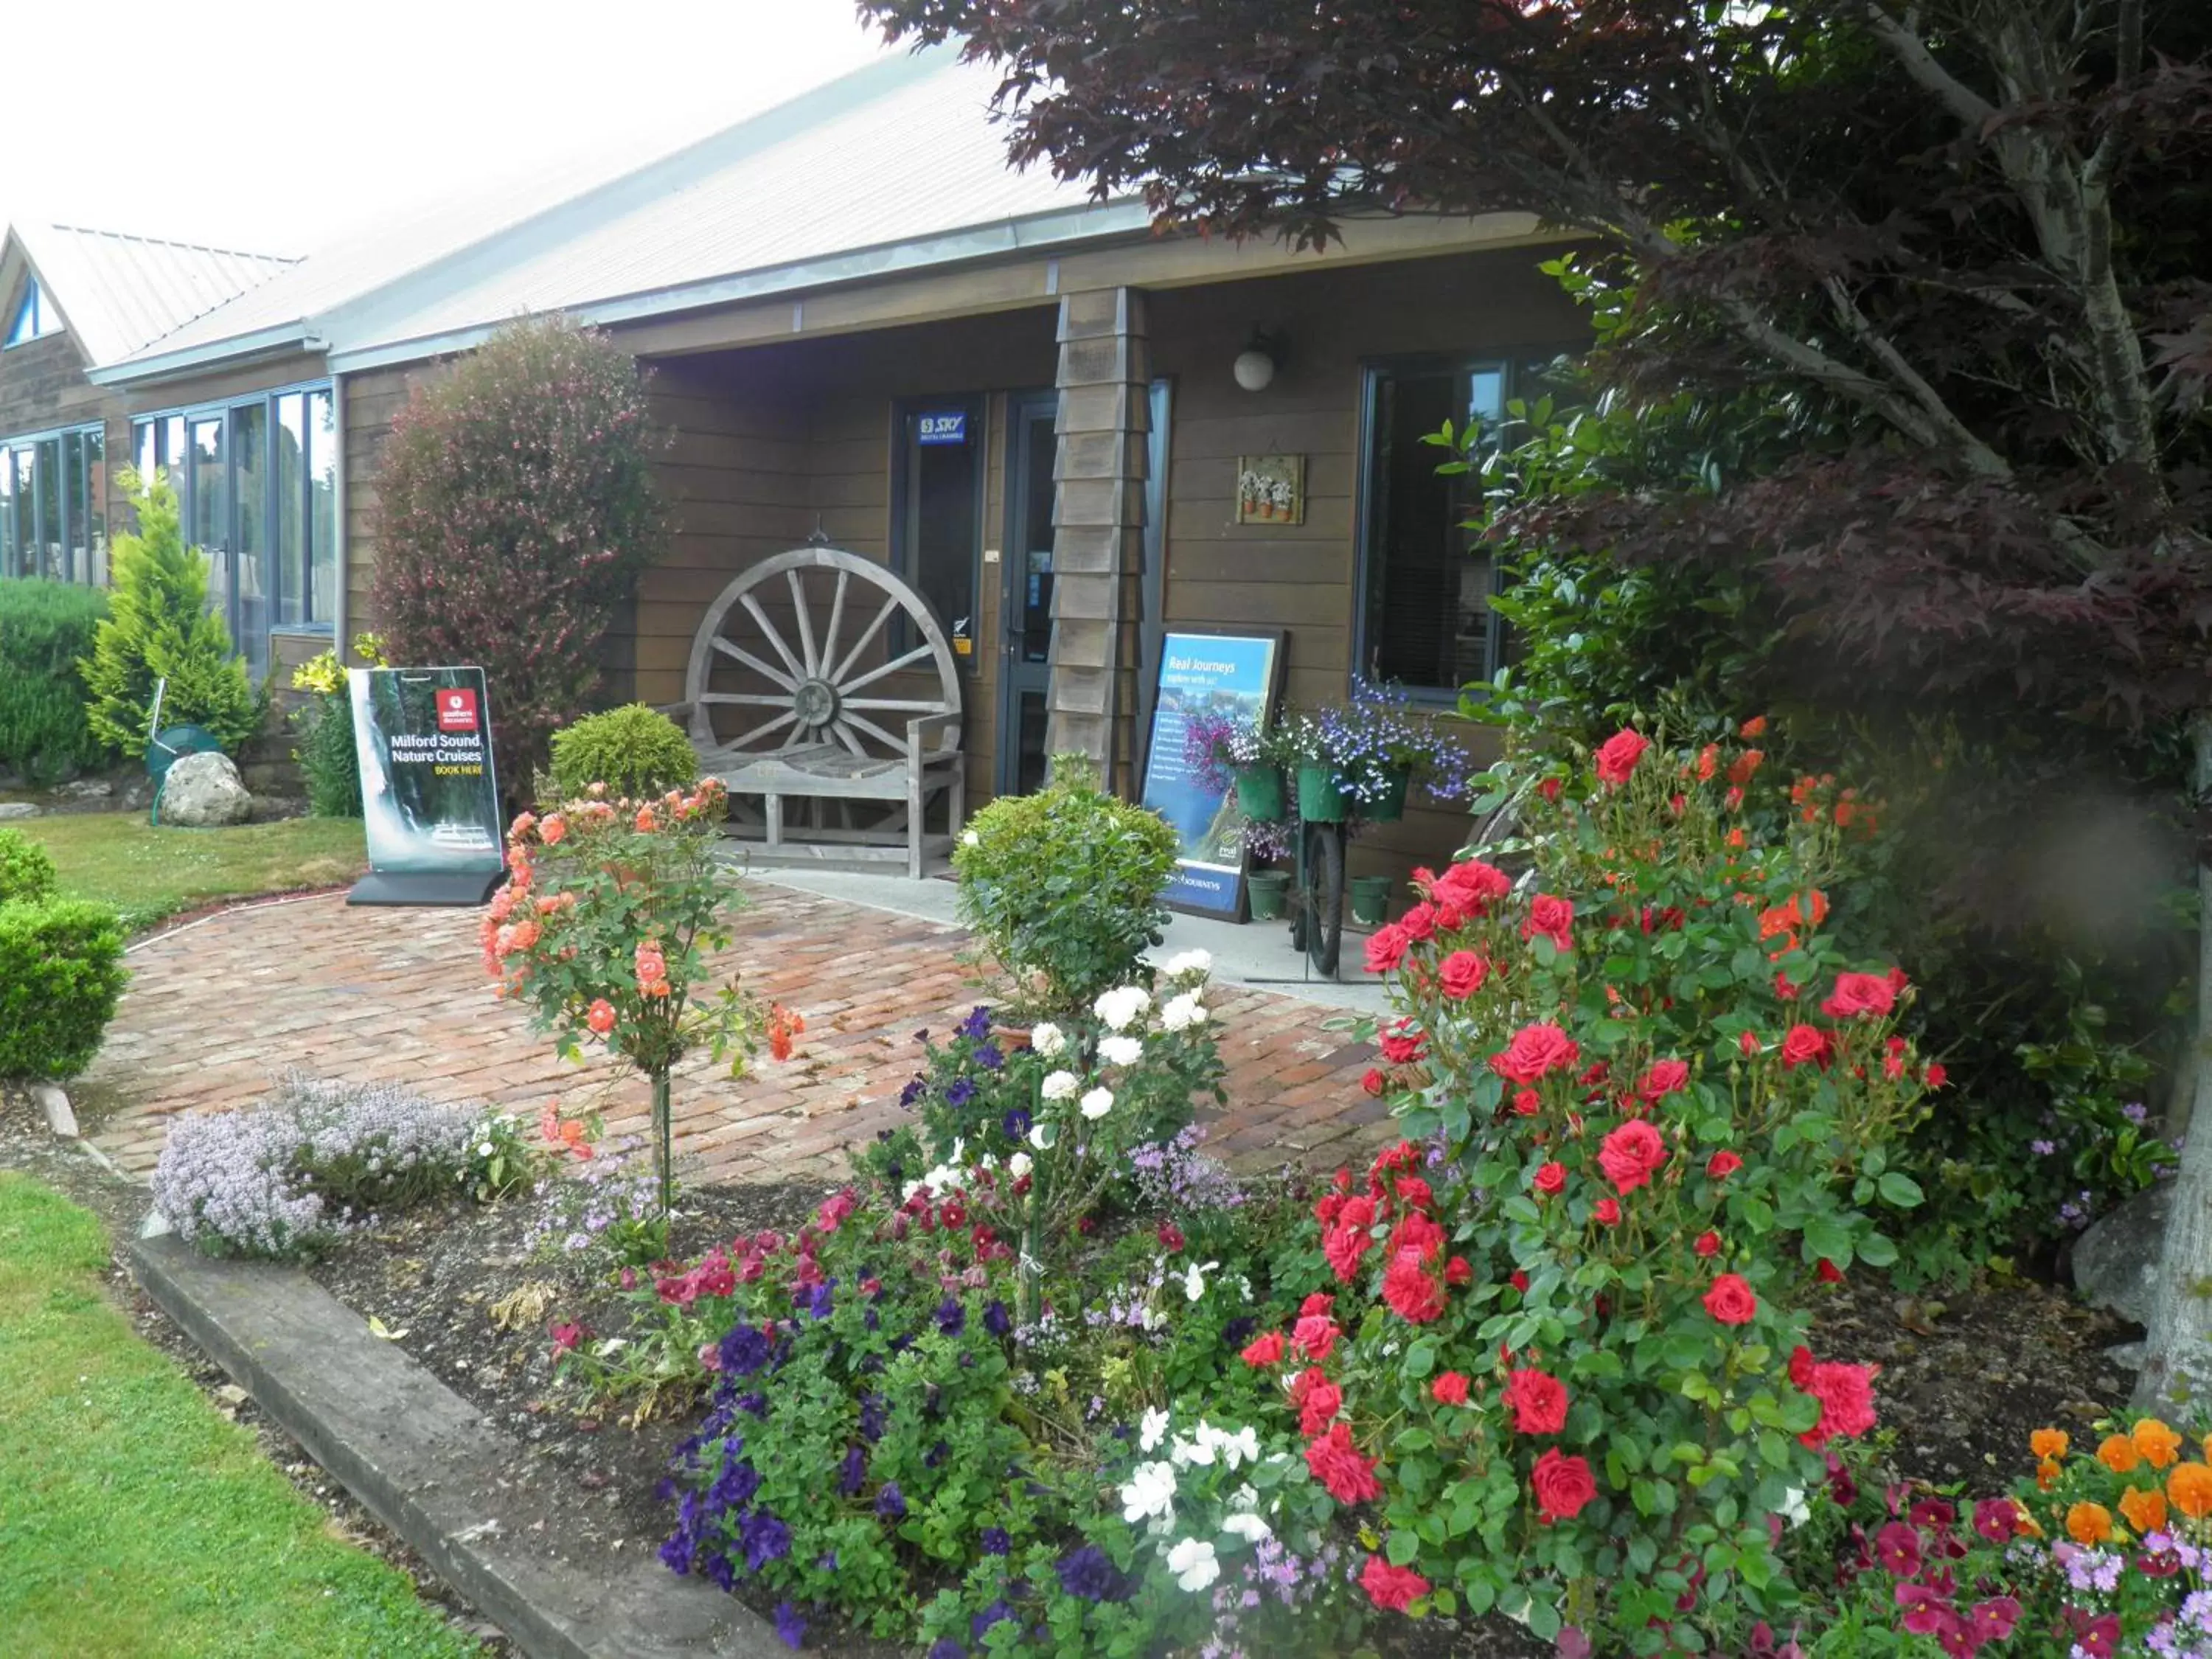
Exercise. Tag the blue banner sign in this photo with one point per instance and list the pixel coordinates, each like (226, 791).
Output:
(1218, 673)
(947, 426)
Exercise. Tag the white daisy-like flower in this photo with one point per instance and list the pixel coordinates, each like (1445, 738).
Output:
(1061, 1085)
(1048, 1040)
(1151, 1428)
(484, 1150)
(1188, 964)
(1250, 1527)
(1121, 1050)
(1192, 1561)
(1194, 1279)
(1150, 1493)
(1096, 1104)
(1180, 1013)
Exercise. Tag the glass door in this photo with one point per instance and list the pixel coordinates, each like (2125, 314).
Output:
(1026, 603)
(208, 529)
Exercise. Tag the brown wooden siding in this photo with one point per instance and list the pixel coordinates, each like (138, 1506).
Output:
(1300, 577)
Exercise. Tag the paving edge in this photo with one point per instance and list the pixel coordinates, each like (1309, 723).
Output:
(430, 1467)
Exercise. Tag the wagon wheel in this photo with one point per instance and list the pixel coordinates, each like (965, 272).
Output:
(822, 683)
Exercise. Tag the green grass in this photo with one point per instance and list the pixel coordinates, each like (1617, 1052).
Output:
(134, 1520)
(149, 871)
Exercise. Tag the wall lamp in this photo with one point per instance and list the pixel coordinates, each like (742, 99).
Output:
(1257, 364)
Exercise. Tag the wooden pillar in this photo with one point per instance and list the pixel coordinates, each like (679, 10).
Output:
(1098, 529)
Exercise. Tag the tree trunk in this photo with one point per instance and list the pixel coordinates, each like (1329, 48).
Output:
(2177, 1353)
(663, 1153)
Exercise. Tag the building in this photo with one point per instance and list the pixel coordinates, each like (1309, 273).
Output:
(824, 293)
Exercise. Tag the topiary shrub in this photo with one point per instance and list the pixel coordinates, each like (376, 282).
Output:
(514, 512)
(1064, 888)
(160, 628)
(634, 751)
(45, 627)
(60, 971)
(26, 873)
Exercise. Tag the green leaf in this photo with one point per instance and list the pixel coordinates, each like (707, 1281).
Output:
(1900, 1189)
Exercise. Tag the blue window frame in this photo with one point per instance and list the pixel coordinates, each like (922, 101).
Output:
(53, 505)
(34, 318)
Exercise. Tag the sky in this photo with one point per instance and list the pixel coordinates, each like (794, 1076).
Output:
(276, 126)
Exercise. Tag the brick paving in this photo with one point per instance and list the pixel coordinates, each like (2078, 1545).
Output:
(218, 1008)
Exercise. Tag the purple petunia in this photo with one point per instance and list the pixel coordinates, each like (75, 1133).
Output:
(853, 1472)
(994, 1540)
(912, 1091)
(987, 1056)
(977, 1025)
(764, 1538)
(997, 1613)
(951, 1316)
(945, 1648)
(745, 1351)
(789, 1626)
(890, 1502)
(1090, 1572)
(996, 1319)
(1016, 1123)
(959, 1091)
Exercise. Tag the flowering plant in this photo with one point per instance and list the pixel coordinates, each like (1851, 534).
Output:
(1373, 743)
(2106, 1553)
(610, 913)
(1569, 1370)
(1218, 745)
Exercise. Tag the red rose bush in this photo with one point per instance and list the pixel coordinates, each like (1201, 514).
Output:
(1565, 1369)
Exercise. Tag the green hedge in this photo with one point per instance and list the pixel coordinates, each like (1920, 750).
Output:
(45, 627)
(26, 872)
(61, 972)
(634, 751)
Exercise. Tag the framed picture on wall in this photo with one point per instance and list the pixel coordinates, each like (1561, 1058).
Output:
(1270, 490)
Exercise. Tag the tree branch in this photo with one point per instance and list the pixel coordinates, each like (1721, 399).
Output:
(1907, 46)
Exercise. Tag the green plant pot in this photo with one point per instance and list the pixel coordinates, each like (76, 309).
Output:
(1259, 793)
(1320, 801)
(1392, 806)
(1371, 899)
(1271, 891)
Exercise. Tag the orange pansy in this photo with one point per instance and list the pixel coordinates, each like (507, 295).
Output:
(2117, 1453)
(2049, 1443)
(2144, 1507)
(2158, 1444)
(2190, 1486)
(2088, 1524)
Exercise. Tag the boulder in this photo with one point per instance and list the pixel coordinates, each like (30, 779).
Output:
(202, 792)
(18, 809)
(2116, 1260)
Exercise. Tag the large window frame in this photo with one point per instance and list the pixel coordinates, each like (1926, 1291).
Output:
(1511, 374)
(287, 582)
(53, 504)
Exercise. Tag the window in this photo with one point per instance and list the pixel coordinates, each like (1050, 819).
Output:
(938, 514)
(1424, 620)
(34, 318)
(53, 505)
(257, 481)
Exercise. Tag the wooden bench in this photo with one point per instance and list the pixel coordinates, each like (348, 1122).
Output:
(821, 716)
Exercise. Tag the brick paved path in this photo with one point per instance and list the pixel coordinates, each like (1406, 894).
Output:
(218, 1008)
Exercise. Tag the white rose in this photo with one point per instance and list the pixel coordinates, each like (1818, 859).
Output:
(1019, 1165)
(1118, 1006)
(1096, 1104)
(1250, 1527)
(1182, 1013)
(1121, 1050)
(1188, 964)
(1192, 1561)
(1048, 1040)
(1061, 1085)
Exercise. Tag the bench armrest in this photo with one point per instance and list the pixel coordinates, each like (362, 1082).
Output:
(916, 728)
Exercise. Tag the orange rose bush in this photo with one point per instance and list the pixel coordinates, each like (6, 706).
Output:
(604, 927)
(1565, 1370)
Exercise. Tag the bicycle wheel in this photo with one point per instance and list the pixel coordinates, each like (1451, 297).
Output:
(1322, 898)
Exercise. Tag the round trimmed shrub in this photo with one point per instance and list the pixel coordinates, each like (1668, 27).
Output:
(61, 972)
(45, 627)
(1064, 886)
(634, 751)
(26, 873)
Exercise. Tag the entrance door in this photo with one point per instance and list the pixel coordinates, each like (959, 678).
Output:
(1026, 604)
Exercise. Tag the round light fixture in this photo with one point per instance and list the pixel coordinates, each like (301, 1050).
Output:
(1253, 370)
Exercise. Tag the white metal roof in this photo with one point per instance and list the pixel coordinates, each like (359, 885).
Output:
(895, 165)
(120, 293)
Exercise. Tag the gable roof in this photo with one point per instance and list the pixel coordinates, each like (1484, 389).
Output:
(894, 166)
(117, 294)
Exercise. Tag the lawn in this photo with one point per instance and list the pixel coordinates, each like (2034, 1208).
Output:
(134, 1520)
(149, 871)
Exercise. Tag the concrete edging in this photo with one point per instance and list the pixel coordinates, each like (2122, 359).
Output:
(429, 1465)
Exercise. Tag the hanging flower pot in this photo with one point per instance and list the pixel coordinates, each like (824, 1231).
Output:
(1390, 806)
(1370, 900)
(1271, 891)
(1260, 793)
(1320, 800)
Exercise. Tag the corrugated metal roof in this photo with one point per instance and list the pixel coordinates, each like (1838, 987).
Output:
(120, 292)
(901, 151)
(921, 161)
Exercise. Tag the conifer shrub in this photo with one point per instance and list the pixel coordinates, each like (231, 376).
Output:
(159, 628)
(634, 751)
(45, 628)
(514, 512)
